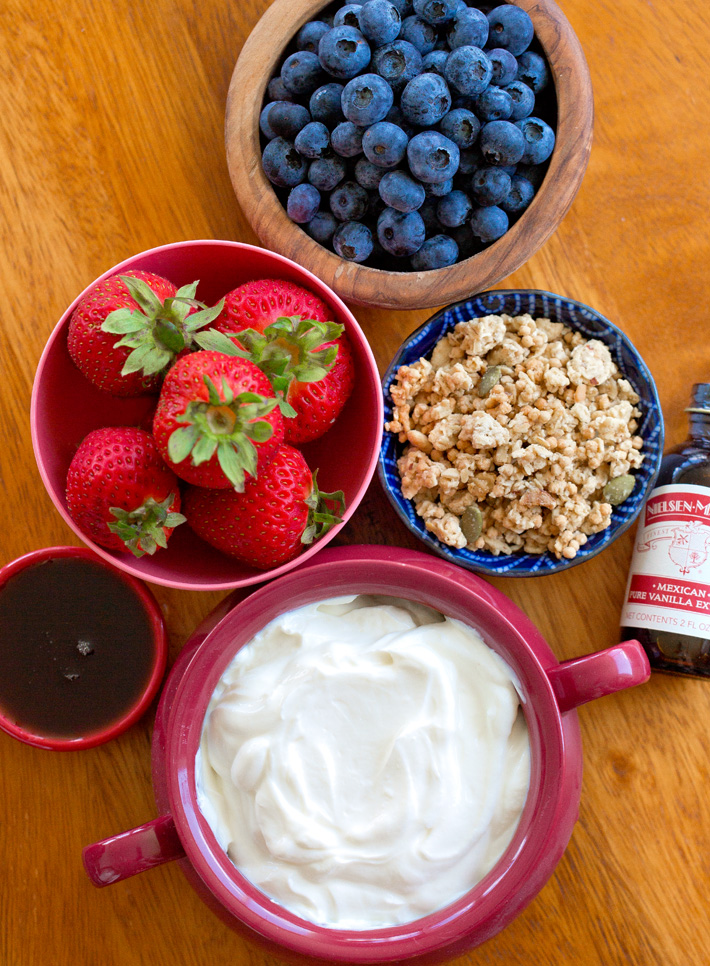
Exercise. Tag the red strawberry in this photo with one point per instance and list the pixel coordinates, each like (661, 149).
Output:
(257, 304)
(216, 420)
(272, 520)
(120, 493)
(129, 328)
(286, 331)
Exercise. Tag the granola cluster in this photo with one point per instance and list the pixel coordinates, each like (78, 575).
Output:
(532, 444)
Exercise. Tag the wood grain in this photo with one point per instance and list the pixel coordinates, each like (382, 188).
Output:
(403, 290)
(111, 143)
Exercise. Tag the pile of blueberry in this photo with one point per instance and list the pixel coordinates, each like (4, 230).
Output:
(409, 134)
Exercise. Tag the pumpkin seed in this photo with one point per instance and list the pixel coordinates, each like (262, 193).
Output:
(619, 489)
(489, 379)
(472, 523)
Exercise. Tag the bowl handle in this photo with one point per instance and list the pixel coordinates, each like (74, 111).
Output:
(585, 678)
(136, 850)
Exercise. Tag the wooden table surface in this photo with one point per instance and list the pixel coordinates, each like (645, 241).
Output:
(111, 142)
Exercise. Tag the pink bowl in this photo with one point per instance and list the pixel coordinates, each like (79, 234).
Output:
(550, 693)
(66, 406)
(144, 599)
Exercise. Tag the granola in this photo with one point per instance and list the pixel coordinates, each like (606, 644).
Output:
(533, 452)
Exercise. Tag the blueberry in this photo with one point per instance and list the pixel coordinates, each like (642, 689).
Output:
(353, 241)
(435, 12)
(439, 189)
(287, 119)
(538, 138)
(504, 65)
(532, 70)
(494, 104)
(419, 33)
(468, 70)
(461, 127)
(523, 99)
(432, 157)
(501, 142)
(308, 37)
(367, 99)
(282, 163)
(264, 125)
(397, 62)
(440, 251)
(348, 16)
(324, 104)
(313, 140)
(454, 209)
(303, 203)
(326, 173)
(346, 139)
(425, 100)
(380, 22)
(349, 201)
(384, 144)
(400, 191)
(368, 174)
(321, 227)
(519, 197)
(488, 224)
(301, 73)
(511, 28)
(435, 62)
(468, 29)
(343, 52)
(400, 233)
(490, 186)
(277, 92)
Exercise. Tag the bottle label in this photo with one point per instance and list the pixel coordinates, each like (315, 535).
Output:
(669, 578)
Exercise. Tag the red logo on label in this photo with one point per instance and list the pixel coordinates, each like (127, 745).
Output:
(677, 506)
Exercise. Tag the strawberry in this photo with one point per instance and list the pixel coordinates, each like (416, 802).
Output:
(154, 321)
(221, 412)
(305, 355)
(272, 520)
(120, 493)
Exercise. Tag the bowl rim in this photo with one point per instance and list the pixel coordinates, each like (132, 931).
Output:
(365, 285)
(125, 562)
(529, 859)
(449, 553)
(159, 637)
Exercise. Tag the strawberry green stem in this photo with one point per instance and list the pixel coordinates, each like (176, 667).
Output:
(289, 350)
(321, 517)
(157, 331)
(143, 530)
(227, 426)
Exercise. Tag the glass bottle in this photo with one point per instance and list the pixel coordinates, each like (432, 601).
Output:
(667, 601)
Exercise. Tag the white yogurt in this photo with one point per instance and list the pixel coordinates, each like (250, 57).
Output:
(364, 761)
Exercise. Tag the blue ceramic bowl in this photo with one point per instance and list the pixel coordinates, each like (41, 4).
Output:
(592, 325)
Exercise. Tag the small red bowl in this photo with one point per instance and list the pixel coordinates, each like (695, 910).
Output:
(159, 639)
(66, 406)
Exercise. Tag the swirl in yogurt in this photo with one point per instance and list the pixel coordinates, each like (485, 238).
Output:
(364, 761)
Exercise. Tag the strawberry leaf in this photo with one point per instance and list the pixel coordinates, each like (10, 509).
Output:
(181, 442)
(121, 321)
(142, 530)
(321, 517)
(215, 341)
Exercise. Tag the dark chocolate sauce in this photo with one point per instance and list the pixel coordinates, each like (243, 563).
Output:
(76, 648)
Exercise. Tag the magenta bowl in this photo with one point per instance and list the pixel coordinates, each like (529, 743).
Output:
(550, 692)
(144, 599)
(66, 406)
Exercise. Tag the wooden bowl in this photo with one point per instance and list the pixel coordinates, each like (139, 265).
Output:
(407, 290)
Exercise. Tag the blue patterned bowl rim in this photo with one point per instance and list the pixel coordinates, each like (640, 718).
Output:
(591, 324)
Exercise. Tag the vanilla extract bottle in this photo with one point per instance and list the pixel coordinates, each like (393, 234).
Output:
(667, 602)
